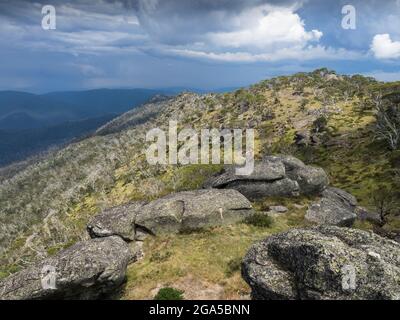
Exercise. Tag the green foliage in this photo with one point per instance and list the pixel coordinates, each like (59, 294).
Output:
(190, 177)
(160, 256)
(320, 124)
(304, 104)
(7, 270)
(51, 251)
(259, 220)
(169, 294)
(102, 171)
(233, 266)
(385, 202)
(388, 123)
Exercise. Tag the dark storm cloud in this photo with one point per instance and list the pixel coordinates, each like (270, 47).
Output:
(204, 5)
(183, 21)
(179, 42)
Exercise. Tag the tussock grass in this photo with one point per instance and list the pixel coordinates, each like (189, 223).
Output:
(213, 256)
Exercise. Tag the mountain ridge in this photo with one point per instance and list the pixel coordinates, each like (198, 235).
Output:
(55, 198)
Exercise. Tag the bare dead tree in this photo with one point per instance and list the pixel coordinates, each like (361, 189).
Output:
(387, 122)
(384, 203)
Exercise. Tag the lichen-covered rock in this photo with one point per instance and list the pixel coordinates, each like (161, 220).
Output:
(311, 180)
(365, 215)
(273, 176)
(88, 270)
(278, 209)
(254, 190)
(336, 207)
(117, 221)
(193, 210)
(263, 171)
(327, 262)
(341, 196)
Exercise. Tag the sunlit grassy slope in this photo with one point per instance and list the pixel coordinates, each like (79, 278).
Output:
(45, 207)
(204, 264)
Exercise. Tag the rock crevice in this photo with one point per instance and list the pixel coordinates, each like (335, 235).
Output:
(273, 176)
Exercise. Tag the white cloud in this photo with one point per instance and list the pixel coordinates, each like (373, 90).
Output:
(260, 34)
(252, 34)
(292, 53)
(265, 27)
(256, 32)
(384, 48)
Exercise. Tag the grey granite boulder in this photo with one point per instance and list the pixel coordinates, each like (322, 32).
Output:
(254, 190)
(193, 210)
(336, 207)
(311, 180)
(88, 270)
(263, 171)
(119, 221)
(345, 198)
(327, 262)
(278, 209)
(273, 176)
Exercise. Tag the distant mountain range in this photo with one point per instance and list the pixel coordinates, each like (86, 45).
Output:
(20, 110)
(30, 123)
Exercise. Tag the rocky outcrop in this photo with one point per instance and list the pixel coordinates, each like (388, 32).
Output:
(273, 176)
(118, 221)
(324, 263)
(88, 270)
(97, 267)
(193, 210)
(336, 207)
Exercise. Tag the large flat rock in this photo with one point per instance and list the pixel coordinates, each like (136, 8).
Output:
(273, 176)
(193, 210)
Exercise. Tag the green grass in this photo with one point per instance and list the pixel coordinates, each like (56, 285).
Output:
(169, 294)
(261, 220)
(213, 256)
(101, 172)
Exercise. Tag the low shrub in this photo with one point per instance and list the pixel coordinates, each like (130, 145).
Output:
(169, 294)
(233, 266)
(259, 220)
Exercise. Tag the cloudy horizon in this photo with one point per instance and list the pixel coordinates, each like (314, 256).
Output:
(199, 44)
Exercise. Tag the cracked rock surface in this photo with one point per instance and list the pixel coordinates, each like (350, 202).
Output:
(87, 270)
(117, 221)
(336, 207)
(283, 176)
(326, 262)
(193, 210)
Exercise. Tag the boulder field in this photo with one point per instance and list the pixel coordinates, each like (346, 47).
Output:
(96, 268)
(298, 264)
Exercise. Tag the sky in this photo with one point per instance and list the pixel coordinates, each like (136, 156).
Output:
(204, 44)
